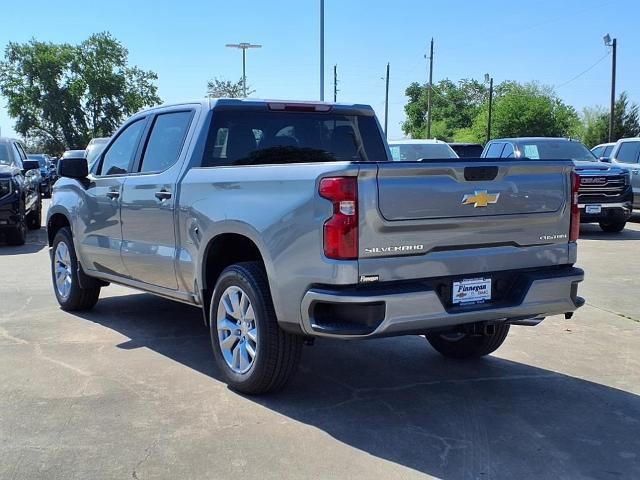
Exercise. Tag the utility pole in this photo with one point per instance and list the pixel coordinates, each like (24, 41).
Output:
(429, 92)
(386, 102)
(614, 45)
(490, 79)
(335, 83)
(243, 46)
(322, 50)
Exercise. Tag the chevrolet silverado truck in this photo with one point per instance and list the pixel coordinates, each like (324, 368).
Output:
(286, 221)
(605, 194)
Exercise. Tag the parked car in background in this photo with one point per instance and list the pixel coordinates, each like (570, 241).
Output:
(410, 150)
(288, 220)
(95, 146)
(70, 154)
(46, 172)
(626, 153)
(603, 150)
(20, 202)
(467, 150)
(605, 195)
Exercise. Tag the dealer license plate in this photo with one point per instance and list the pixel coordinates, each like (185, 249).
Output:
(472, 290)
(593, 208)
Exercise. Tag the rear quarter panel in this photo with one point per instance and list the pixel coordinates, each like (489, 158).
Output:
(279, 209)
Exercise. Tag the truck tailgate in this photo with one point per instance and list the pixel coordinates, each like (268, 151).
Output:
(440, 219)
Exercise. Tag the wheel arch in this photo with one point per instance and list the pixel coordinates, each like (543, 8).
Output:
(221, 251)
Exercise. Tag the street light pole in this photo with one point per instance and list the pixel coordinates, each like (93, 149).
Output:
(386, 102)
(244, 46)
(322, 50)
(429, 92)
(490, 80)
(614, 45)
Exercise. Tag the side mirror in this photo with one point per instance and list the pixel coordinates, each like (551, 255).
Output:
(73, 167)
(30, 165)
(605, 159)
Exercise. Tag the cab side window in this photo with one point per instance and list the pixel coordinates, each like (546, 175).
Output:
(17, 158)
(166, 140)
(494, 150)
(628, 152)
(508, 151)
(117, 159)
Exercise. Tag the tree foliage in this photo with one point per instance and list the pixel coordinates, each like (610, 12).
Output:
(453, 107)
(529, 109)
(63, 95)
(626, 122)
(217, 88)
(460, 111)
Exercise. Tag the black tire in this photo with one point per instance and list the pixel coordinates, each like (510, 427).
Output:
(79, 297)
(34, 218)
(18, 234)
(613, 226)
(277, 353)
(467, 345)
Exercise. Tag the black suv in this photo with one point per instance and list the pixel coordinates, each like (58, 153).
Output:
(605, 195)
(20, 203)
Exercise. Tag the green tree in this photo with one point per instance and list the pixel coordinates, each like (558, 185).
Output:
(62, 95)
(453, 107)
(227, 89)
(626, 122)
(527, 110)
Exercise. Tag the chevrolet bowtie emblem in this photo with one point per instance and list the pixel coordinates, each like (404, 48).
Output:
(480, 198)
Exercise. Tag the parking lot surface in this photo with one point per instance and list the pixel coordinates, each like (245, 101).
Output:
(129, 390)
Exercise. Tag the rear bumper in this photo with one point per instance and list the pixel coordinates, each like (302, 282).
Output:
(417, 308)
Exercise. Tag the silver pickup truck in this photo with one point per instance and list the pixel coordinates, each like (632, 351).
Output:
(287, 221)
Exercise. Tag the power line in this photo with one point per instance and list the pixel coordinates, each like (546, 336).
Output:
(583, 72)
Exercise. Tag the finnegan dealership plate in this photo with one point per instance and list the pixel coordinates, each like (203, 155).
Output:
(476, 290)
(593, 208)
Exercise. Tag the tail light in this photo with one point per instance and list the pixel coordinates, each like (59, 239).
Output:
(574, 230)
(341, 230)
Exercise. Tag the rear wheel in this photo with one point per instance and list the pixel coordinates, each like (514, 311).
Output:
(468, 345)
(252, 352)
(65, 274)
(613, 226)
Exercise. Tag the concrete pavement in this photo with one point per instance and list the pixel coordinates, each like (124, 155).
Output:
(129, 390)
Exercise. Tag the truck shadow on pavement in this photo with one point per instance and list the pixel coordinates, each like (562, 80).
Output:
(36, 241)
(397, 400)
(594, 232)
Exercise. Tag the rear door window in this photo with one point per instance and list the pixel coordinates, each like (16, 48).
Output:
(165, 141)
(628, 152)
(261, 138)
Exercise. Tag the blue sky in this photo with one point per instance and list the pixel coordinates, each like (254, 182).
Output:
(184, 42)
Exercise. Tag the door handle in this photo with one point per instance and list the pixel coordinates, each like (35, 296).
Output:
(163, 195)
(113, 194)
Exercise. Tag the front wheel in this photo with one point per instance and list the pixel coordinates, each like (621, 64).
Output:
(467, 345)
(34, 218)
(65, 274)
(18, 234)
(252, 352)
(613, 226)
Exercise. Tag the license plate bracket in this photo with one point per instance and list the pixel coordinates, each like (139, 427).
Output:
(471, 291)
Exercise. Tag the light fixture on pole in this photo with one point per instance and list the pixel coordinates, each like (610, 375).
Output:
(243, 46)
(613, 43)
(488, 79)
